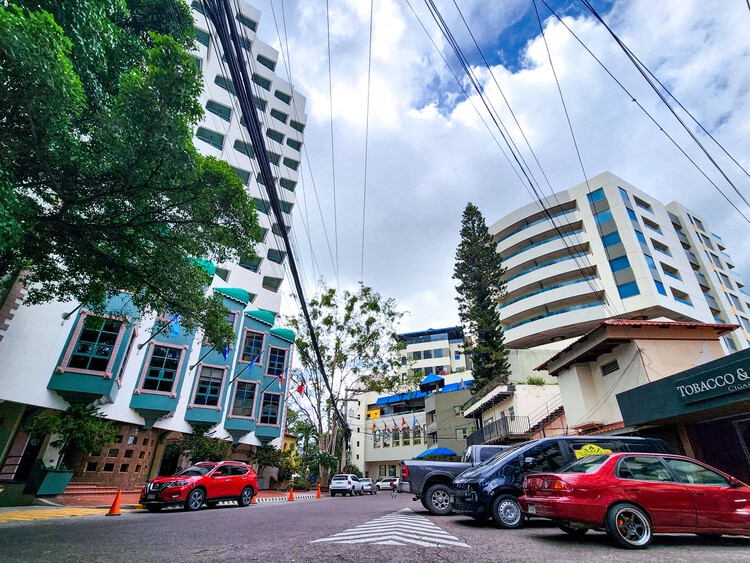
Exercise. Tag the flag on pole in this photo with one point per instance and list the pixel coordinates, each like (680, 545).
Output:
(395, 425)
(301, 388)
(225, 352)
(282, 376)
(374, 428)
(403, 421)
(175, 325)
(414, 423)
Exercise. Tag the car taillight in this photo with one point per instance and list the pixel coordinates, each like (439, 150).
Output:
(556, 485)
(404, 472)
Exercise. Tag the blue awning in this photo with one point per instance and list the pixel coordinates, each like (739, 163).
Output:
(431, 378)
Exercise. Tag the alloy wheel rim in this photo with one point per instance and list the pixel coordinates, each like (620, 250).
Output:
(440, 500)
(196, 499)
(632, 526)
(247, 496)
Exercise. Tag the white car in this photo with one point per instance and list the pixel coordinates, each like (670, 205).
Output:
(344, 483)
(387, 483)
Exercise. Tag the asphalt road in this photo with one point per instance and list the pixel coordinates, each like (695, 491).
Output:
(359, 529)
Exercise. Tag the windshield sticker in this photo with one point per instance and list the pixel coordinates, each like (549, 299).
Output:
(590, 449)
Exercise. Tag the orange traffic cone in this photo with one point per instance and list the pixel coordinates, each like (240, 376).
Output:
(253, 501)
(291, 493)
(115, 508)
(318, 494)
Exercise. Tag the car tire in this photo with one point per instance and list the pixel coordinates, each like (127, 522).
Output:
(507, 513)
(333, 494)
(195, 499)
(629, 526)
(437, 500)
(246, 497)
(153, 508)
(573, 530)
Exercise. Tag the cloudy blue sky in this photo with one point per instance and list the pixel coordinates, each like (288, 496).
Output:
(430, 152)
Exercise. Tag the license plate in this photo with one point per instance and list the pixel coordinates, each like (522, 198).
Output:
(532, 509)
(151, 496)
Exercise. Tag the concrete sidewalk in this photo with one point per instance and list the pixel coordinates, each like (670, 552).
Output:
(130, 499)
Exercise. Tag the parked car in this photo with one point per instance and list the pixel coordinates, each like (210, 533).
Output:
(368, 486)
(493, 488)
(430, 481)
(631, 496)
(205, 482)
(387, 483)
(345, 483)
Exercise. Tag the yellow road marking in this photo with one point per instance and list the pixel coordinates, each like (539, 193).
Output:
(47, 513)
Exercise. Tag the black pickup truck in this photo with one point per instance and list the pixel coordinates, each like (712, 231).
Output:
(430, 481)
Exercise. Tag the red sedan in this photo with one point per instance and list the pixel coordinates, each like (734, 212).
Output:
(631, 496)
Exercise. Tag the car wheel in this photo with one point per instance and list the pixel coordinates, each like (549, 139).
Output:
(574, 531)
(629, 526)
(246, 496)
(333, 494)
(438, 500)
(195, 499)
(506, 512)
(153, 508)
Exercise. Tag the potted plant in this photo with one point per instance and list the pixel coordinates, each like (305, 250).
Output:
(79, 428)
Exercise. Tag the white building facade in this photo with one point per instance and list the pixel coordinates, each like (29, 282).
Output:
(606, 249)
(157, 384)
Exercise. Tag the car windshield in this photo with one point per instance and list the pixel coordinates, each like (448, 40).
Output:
(492, 461)
(196, 470)
(587, 464)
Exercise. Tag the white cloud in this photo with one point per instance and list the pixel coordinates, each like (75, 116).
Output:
(429, 156)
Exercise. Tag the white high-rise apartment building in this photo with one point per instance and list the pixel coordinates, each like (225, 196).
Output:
(223, 135)
(606, 249)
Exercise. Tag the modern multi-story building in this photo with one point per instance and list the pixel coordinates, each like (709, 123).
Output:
(605, 249)
(222, 134)
(157, 384)
(435, 350)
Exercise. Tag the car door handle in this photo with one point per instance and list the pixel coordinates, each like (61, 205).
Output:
(700, 494)
(634, 490)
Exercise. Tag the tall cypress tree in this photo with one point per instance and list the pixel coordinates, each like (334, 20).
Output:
(479, 270)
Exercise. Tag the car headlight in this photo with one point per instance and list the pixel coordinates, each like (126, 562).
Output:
(178, 484)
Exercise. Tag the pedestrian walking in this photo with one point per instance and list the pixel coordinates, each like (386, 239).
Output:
(393, 488)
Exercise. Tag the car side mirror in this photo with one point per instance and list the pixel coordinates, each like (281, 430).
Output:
(528, 462)
(736, 483)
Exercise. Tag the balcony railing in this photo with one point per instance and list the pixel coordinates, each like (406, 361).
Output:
(500, 429)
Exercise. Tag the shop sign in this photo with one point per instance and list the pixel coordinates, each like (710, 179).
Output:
(712, 383)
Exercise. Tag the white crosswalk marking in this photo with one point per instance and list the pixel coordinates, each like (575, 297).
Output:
(400, 528)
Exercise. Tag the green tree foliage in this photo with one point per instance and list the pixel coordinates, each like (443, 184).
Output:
(202, 446)
(479, 270)
(356, 333)
(288, 465)
(266, 456)
(101, 188)
(79, 428)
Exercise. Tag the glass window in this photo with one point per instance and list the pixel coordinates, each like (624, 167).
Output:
(417, 355)
(632, 215)
(643, 468)
(603, 216)
(284, 97)
(162, 369)
(269, 410)
(280, 116)
(416, 434)
(650, 261)
(406, 436)
(276, 361)
(253, 346)
(462, 433)
(660, 287)
(275, 135)
(640, 236)
(244, 399)
(96, 344)
(261, 81)
(587, 464)
(202, 37)
(297, 126)
(211, 137)
(547, 457)
(376, 439)
(628, 290)
(438, 353)
(386, 438)
(694, 473)
(221, 110)
(620, 263)
(427, 354)
(596, 195)
(624, 195)
(266, 62)
(610, 239)
(247, 22)
(208, 390)
(396, 437)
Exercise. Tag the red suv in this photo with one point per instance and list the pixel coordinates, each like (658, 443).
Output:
(205, 482)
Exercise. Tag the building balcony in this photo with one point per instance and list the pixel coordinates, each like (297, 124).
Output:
(152, 407)
(502, 431)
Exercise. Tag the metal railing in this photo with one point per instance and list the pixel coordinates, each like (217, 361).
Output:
(499, 429)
